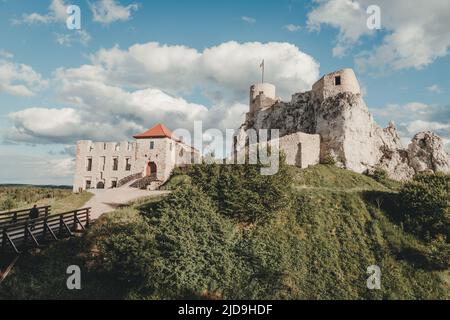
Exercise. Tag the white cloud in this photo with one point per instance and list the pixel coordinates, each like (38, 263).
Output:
(108, 11)
(435, 88)
(19, 79)
(420, 125)
(248, 19)
(98, 107)
(77, 36)
(223, 72)
(56, 13)
(415, 32)
(59, 168)
(292, 27)
(6, 54)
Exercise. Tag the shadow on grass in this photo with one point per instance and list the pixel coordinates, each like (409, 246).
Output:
(388, 202)
(414, 253)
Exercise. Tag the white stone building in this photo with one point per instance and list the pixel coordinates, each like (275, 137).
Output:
(147, 162)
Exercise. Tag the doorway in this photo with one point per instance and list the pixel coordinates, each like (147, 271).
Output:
(151, 169)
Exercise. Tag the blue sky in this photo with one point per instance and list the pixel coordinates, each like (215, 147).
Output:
(59, 85)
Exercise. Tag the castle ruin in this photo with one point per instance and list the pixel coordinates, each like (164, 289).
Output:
(332, 121)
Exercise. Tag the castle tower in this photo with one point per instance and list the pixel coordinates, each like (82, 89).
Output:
(334, 83)
(262, 95)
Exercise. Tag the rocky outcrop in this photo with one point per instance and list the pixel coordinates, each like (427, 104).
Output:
(350, 135)
(426, 153)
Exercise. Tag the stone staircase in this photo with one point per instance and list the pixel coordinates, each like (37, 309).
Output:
(149, 182)
(128, 179)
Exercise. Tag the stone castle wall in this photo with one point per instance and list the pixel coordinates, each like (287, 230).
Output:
(165, 154)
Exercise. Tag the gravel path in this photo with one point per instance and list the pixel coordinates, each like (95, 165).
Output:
(108, 200)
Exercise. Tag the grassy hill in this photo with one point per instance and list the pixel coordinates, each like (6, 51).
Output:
(227, 232)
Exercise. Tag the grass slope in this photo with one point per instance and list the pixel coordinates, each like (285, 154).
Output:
(318, 246)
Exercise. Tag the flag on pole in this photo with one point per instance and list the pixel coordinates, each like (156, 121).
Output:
(262, 67)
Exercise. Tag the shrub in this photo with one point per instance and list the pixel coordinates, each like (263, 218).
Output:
(439, 253)
(242, 192)
(328, 159)
(379, 175)
(425, 203)
(126, 252)
(194, 246)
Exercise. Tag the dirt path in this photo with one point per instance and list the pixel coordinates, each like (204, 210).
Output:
(108, 200)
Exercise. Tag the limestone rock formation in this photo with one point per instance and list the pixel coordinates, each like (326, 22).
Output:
(426, 153)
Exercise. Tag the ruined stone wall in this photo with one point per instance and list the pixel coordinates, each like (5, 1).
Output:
(301, 149)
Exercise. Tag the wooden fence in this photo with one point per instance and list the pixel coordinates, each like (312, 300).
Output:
(19, 216)
(33, 233)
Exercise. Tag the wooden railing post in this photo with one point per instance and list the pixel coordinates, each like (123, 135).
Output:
(61, 225)
(4, 239)
(88, 211)
(15, 217)
(25, 235)
(44, 230)
(75, 220)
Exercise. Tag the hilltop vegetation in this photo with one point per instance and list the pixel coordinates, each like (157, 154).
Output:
(228, 232)
(23, 196)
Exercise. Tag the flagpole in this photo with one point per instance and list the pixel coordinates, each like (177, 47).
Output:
(263, 73)
(262, 66)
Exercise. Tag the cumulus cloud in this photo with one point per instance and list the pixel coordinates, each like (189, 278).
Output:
(108, 11)
(123, 92)
(222, 72)
(107, 113)
(56, 13)
(415, 32)
(19, 79)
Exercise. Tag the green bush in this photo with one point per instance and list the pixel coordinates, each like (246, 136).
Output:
(328, 159)
(194, 246)
(242, 192)
(379, 175)
(425, 203)
(439, 253)
(126, 252)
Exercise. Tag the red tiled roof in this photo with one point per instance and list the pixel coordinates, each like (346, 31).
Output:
(158, 131)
